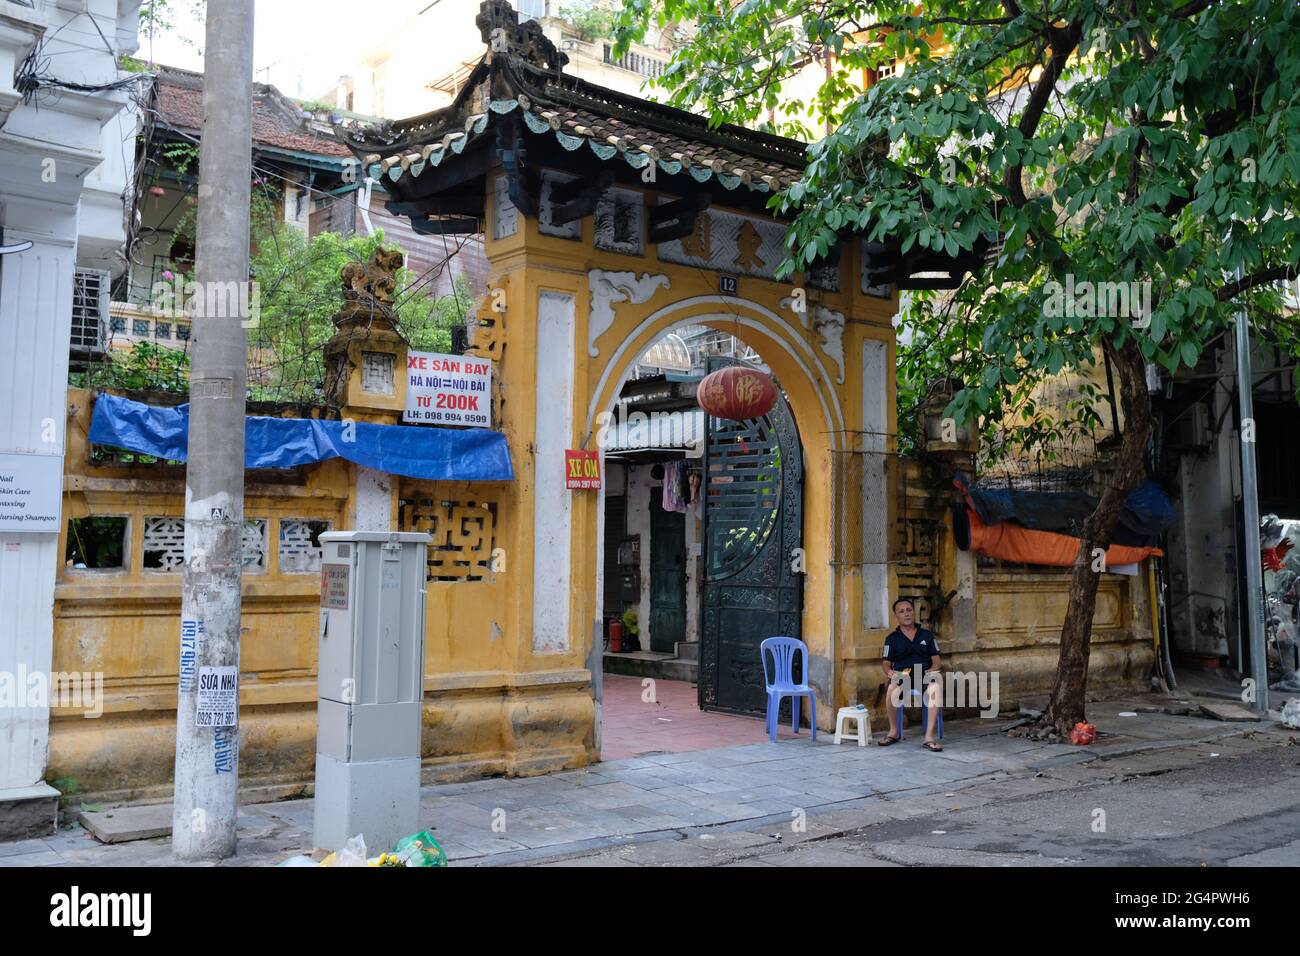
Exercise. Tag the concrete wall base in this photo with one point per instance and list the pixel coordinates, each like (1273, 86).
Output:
(28, 812)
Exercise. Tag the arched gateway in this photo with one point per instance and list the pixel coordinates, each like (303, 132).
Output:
(610, 221)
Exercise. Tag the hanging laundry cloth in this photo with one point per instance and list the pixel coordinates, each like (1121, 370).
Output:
(673, 500)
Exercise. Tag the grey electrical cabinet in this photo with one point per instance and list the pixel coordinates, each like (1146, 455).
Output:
(370, 687)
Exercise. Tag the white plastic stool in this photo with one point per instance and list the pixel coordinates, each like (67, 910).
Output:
(862, 716)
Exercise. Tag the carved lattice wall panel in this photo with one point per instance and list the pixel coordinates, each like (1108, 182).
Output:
(164, 544)
(487, 339)
(378, 374)
(253, 545)
(463, 533)
(300, 550)
(918, 570)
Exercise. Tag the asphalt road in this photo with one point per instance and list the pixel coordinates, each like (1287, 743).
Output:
(1233, 811)
(1229, 804)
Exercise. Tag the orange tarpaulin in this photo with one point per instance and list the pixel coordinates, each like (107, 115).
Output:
(1012, 542)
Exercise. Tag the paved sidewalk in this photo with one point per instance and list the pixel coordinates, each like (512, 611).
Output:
(650, 798)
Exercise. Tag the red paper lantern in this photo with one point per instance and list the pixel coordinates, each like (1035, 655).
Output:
(736, 392)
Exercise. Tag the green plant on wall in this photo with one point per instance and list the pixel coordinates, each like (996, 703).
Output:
(146, 366)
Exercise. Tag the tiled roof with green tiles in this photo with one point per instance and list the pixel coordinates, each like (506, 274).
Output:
(524, 75)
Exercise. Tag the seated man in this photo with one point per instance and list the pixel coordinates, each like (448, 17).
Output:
(909, 651)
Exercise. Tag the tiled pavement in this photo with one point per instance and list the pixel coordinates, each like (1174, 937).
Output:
(501, 821)
(670, 722)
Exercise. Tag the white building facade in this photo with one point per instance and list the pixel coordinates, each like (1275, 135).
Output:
(66, 156)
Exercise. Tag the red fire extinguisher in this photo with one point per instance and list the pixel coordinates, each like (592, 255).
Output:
(615, 635)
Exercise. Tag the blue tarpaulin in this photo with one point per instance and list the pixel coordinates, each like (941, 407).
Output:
(438, 454)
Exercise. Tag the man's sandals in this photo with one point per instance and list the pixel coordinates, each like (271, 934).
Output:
(932, 745)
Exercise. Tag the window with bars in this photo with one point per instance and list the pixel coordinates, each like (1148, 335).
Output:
(90, 309)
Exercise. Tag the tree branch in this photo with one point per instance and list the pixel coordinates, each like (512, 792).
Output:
(1263, 277)
(1063, 43)
(1191, 9)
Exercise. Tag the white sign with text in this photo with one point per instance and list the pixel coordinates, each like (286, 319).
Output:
(448, 389)
(30, 489)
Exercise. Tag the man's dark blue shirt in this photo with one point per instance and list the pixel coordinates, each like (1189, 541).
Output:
(903, 654)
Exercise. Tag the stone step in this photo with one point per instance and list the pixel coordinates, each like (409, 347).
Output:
(688, 650)
(124, 824)
(651, 664)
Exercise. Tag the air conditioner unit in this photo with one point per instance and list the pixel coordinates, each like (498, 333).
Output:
(1192, 429)
(90, 296)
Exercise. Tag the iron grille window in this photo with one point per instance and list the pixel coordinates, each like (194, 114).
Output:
(90, 309)
(162, 330)
(140, 327)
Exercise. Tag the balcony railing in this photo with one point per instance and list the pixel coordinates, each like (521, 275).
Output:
(636, 62)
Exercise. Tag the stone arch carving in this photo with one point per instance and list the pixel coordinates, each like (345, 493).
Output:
(795, 363)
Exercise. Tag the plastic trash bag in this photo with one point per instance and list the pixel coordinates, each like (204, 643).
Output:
(1291, 713)
(352, 854)
(420, 849)
(1083, 733)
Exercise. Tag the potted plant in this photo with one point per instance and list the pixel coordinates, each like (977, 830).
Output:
(630, 631)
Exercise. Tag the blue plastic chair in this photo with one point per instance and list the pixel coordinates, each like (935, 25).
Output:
(783, 650)
(938, 724)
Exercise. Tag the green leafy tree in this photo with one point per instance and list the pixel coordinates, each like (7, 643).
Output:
(590, 21)
(300, 285)
(1154, 142)
(159, 17)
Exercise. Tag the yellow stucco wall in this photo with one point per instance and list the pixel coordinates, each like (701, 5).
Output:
(125, 624)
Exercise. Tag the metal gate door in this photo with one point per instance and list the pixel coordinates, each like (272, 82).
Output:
(753, 521)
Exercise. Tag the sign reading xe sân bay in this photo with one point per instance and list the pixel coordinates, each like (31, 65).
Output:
(448, 389)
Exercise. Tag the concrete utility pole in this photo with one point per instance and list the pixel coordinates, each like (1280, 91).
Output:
(1252, 604)
(207, 715)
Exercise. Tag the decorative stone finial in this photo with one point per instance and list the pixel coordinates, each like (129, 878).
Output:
(368, 290)
(499, 26)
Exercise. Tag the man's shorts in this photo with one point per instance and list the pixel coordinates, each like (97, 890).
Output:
(913, 700)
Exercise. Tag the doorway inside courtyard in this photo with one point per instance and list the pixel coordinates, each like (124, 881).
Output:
(700, 518)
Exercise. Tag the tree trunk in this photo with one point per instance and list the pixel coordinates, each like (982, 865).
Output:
(1066, 705)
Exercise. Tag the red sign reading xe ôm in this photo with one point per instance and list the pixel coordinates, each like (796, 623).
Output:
(581, 469)
(448, 389)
